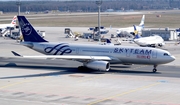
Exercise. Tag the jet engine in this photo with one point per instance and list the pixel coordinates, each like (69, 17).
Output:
(161, 44)
(98, 65)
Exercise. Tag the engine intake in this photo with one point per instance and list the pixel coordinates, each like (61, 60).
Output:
(98, 65)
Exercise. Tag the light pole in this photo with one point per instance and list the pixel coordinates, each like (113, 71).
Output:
(99, 2)
(18, 3)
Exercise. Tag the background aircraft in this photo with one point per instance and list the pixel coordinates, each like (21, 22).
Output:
(130, 30)
(97, 57)
(12, 24)
(150, 41)
(4, 28)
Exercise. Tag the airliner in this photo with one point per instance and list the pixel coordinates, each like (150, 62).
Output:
(12, 24)
(97, 57)
(130, 30)
(149, 41)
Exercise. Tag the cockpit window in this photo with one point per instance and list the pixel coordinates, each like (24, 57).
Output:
(166, 54)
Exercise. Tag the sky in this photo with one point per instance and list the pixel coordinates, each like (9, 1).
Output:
(58, 0)
(48, 0)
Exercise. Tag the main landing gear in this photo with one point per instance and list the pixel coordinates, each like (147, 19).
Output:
(154, 70)
(81, 68)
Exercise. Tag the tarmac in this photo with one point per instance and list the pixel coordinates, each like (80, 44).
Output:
(58, 82)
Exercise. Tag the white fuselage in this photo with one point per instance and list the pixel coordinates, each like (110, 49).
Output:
(119, 54)
(129, 29)
(151, 40)
(3, 26)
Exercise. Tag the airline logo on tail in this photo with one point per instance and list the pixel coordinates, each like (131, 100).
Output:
(26, 29)
(135, 30)
(14, 20)
(136, 33)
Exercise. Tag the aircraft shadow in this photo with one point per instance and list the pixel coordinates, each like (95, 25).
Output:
(132, 71)
(61, 71)
(112, 66)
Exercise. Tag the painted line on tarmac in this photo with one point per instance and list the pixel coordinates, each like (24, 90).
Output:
(21, 82)
(124, 93)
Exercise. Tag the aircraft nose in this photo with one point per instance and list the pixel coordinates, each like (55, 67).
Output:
(173, 58)
(136, 40)
(118, 31)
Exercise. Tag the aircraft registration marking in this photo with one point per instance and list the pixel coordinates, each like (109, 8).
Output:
(143, 56)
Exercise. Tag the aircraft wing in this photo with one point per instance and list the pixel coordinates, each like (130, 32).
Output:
(68, 57)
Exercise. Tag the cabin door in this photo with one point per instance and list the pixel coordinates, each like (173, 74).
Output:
(154, 54)
(77, 50)
(128, 53)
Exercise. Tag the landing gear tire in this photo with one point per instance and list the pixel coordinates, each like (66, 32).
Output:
(80, 68)
(83, 69)
(154, 70)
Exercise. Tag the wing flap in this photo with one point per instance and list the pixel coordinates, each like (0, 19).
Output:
(75, 57)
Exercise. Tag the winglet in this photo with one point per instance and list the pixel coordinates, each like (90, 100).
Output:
(16, 54)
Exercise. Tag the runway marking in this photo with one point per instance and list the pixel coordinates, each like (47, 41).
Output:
(24, 81)
(125, 93)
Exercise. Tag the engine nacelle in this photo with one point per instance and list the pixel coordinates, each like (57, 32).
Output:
(161, 44)
(98, 65)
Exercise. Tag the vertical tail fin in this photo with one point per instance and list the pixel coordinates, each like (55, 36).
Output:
(142, 21)
(14, 20)
(136, 33)
(108, 41)
(28, 32)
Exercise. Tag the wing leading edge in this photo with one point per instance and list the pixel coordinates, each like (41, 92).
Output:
(68, 57)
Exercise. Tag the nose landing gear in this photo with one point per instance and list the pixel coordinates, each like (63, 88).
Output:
(154, 70)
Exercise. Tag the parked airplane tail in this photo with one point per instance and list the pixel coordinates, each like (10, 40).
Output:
(28, 32)
(142, 21)
(108, 41)
(137, 37)
(136, 33)
(14, 20)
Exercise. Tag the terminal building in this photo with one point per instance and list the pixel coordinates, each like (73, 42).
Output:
(167, 34)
